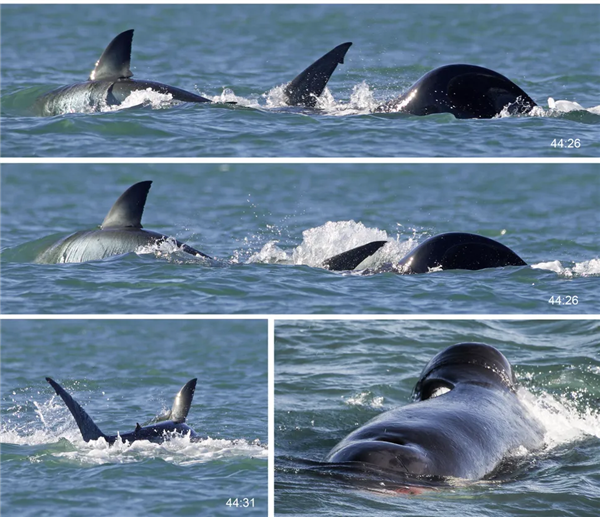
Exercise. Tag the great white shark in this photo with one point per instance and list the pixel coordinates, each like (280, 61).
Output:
(110, 83)
(465, 419)
(453, 250)
(162, 427)
(120, 233)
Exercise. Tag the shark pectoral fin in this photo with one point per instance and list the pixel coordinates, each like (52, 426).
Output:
(114, 61)
(183, 402)
(352, 258)
(128, 209)
(308, 85)
(89, 430)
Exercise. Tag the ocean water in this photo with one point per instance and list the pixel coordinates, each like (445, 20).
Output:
(333, 376)
(245, 53)
(270, 227)
(124, 372)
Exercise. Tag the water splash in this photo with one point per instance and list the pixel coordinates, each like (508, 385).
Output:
(365, 399)
(330, 239)
(51, 424)
(171, 251)
(580, 269)
(564, 421)
(142, 98)
(555, 109)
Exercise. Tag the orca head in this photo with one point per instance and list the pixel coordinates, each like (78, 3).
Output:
(115, 60)
(469, 363)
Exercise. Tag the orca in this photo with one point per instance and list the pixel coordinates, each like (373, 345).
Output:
(453, 250)
(466, 91)
(121, 232)
(465, 419)
(307, 87)
(109, 84)
(161, 429)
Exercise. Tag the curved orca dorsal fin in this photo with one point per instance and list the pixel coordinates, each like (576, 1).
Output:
(89, 430)
(128, 209)
(114, 61)
(309, 84)
(348, 260)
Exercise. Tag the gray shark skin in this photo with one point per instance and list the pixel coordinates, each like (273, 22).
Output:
(466, 418)
(109, 84)
(466, 91)
(120, 233)
(166, 426)
(453, 250)
(307, 86)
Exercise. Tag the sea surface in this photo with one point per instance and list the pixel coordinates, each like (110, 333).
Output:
(122, 373)
(333, 376)
(245, 53)
(270, 227)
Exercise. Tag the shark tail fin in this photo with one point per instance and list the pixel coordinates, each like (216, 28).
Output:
(181, 404)
(128, 209)
(350, 259)
(308, 85)
(115, 60)
(89, 430)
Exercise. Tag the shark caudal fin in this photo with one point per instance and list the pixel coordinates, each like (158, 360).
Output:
(308, 85)
(181, 404)
(89, 430)
(128, 209)
(114, 61)
(350, 259)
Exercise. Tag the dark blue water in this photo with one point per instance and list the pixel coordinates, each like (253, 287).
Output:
(333, 376)
(244, 53)
(124, 372)
(270, 227)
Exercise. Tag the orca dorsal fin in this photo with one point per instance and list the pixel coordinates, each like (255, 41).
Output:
(114, 61)
(89, 430)
(309, 84)
(348, 260)
(128, 209)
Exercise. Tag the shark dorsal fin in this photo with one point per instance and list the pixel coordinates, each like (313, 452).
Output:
(138, 428)
(181, 404)
(128, 209)
(114, 61)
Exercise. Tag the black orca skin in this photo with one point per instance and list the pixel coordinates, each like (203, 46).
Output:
(465, 420)
(466, 91)
(453, 250)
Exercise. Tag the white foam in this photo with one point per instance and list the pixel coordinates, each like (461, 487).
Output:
(331, 239)
(365, 399)
(169, 249)
(147, 97)
(19, 430)
(581, 269)
(563, 420)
